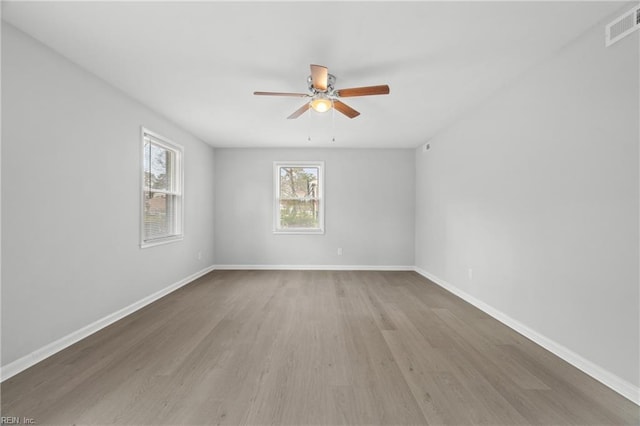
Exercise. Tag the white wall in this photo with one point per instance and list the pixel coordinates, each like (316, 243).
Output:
(71, 199)
(537, 192)
(369, 209)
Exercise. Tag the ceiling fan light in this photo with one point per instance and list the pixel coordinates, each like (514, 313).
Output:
(321, 104)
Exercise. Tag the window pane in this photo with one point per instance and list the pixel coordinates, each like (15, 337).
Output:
(159, 211)
(299, 213)
(298, 182)
(146, 163)
(299, 197)
(158, 166)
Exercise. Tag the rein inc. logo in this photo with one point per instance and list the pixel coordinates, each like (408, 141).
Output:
(9, 420)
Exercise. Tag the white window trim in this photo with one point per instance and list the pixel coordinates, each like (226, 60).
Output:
(276, 197)
(169, 144)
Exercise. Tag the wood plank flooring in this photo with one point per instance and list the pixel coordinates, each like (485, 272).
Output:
(310, 348)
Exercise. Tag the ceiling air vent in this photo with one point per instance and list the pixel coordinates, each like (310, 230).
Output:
(622, 26)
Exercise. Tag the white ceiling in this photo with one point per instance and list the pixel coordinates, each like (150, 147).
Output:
(198, 63)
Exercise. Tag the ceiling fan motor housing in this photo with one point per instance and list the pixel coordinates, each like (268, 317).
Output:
(331, 81)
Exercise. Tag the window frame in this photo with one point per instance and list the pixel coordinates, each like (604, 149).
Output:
(277, 165)
(177, 188)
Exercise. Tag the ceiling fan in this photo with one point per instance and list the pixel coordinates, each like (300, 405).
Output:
(323, 95)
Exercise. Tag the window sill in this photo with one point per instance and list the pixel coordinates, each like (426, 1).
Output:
(299, 232)
(161, 241)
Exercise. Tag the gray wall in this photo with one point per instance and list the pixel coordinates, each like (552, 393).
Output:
(369, 209)
(71, 199)
(537, 192)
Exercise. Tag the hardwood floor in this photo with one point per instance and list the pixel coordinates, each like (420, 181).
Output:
(310, 347)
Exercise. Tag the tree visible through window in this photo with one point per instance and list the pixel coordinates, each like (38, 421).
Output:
(299, 204)
(162, 190)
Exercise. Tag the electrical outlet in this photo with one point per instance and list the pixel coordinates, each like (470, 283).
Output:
(200, 255)
(339, 251)
(470, 274)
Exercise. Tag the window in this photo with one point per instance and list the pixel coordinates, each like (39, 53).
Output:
(161, 190)
(299, 203)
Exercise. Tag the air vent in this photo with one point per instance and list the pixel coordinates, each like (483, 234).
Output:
(622, 26)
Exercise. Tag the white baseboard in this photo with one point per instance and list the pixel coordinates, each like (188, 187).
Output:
(15, 367)
(317, 267)
(619, 385)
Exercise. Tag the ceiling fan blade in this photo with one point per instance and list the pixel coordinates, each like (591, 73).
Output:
(297, 113)
(363, 91)
(319, 76)
(298, 95)
(345, 109)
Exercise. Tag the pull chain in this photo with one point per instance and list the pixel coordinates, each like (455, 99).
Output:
(309, 123)
(333, 123)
